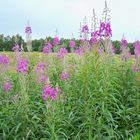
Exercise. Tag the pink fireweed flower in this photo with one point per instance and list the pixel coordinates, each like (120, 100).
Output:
(49, 45)
(49, 92)
(85, 29)
(4, 63)
(93, 40)
(16, 47)
(136, 46)
(105, 29)
(125, 50)
(4, 60)
(102, 26)
(22, 66)
(40, 70)
(123, 43)
(64, 76)
(47, 48)
(79, 51)
(56, 41)
(40, 67)
(28, 29)
(71, 44)
(42, 79)
(62, 52)
(108, 30)
(95, 33)
(94, 37)
(7, 87)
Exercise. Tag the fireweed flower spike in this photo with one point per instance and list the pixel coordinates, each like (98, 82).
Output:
(71, 44)
(94, 37)
(79, 51)
(4, 63)
(7, 87)
(22, 66)
(64, 76)
(40, 70)
(94, 22)
(28, 32)
(17, 50)
(47, 48)
(4, 60)
(49, 92)
(85, 29)
(62, 52)
(56, 41)
(28, 29)
(125, 51)
(124, 42)
(105, 29)
(136, 46)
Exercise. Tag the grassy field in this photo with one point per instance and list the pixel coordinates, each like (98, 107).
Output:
(98, 100)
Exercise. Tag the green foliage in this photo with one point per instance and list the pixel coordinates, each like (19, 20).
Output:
(101, 101)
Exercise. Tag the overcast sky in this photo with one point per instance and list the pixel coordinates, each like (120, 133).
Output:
(65, 15)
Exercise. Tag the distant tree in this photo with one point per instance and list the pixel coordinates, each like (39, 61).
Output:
(7, 42)
(117, 46)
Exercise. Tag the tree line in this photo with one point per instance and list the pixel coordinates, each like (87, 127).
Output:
(7, 43)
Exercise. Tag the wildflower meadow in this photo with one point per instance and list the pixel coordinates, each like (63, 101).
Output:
(85, 93)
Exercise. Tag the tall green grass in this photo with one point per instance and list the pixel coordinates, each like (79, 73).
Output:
(100, 101)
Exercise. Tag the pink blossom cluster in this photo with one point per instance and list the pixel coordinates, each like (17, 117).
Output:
(94, 37)
(64, 76)
(85, 29)
(123, 43)
(47, 48)
(40, 68)
(56, 41)
(79, 51)
(105, 29)
(16, 47)
(22, 66)
(49, 92)
(62, 52)
(125, 51)
(71, 44)
(4, 60)
(136, 46)
(40, 73)
(28, 29)
(7, 87)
